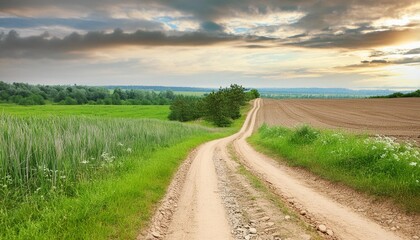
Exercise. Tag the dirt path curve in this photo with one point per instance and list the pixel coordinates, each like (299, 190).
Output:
(345, 223)
(200, 213)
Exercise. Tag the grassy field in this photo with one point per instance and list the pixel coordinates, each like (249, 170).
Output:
(125, 111)
(78, 177)
(379, 166)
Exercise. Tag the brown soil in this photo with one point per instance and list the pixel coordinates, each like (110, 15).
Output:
(393, 117)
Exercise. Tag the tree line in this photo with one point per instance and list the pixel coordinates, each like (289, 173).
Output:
(26, 94)
(219, 107)
(401, 95)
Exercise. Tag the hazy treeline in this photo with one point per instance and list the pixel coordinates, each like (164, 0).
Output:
(219, 107)
(25, 94)
(400, 94)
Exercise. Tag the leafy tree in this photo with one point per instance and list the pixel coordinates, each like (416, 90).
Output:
(216, 108)
(185, 109)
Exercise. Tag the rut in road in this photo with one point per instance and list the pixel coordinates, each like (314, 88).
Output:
(201, 213)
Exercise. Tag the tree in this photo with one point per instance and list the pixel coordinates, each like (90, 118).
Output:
(216, 109)
(185, 109)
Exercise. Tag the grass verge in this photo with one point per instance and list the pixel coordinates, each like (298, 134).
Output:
(379, 166)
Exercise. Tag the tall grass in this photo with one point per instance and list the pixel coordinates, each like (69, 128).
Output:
(50, 155)
(377, 165)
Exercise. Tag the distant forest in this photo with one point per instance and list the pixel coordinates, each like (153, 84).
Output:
(401, 95)
(25, 94)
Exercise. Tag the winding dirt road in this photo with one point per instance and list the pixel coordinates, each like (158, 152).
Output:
(201, 213)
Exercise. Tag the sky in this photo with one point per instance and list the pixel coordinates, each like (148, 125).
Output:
(355, 44)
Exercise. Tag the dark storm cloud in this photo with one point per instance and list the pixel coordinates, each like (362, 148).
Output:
(320, 23)
(11, 45)
(319, 14)
(82, 24)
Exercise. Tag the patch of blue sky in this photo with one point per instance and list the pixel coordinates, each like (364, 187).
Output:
(168, 21)
(241, 30)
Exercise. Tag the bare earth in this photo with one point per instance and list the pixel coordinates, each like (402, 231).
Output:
(211, 199)
(393, 117)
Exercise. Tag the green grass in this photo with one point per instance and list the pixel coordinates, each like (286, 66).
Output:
(378, 166)
(76, 168)
(101, 197)
(124, 111)
(117, 206)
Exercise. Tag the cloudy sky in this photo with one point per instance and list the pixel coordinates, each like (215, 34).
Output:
(211, 43)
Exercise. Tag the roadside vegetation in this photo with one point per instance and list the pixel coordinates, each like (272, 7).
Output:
(25, 94)
(401, 95)
(376, 165)
(49, 165)
(219, 108)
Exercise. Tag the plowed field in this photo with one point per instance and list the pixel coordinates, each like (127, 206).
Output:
(393, 117)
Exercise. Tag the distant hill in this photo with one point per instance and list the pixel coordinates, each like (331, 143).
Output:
(276, 92)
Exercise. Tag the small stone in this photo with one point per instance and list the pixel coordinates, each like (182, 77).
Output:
(252, 230)
(303, 212)
(287, 217)
(330, 232)
(415, 237)
(247, 237)
(393, 229)
(322, 228)
(156, 234)
(264, 219)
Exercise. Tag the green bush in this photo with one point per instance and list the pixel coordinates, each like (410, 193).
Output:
(304, 135)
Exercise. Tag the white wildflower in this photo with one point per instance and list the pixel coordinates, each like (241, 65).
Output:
(413, 164)
(84, 162)
(383, 155)
(129, 150)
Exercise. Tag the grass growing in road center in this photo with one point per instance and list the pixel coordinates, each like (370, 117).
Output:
(377, 165)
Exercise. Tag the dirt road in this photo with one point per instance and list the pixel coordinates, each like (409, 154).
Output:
(208, 207)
